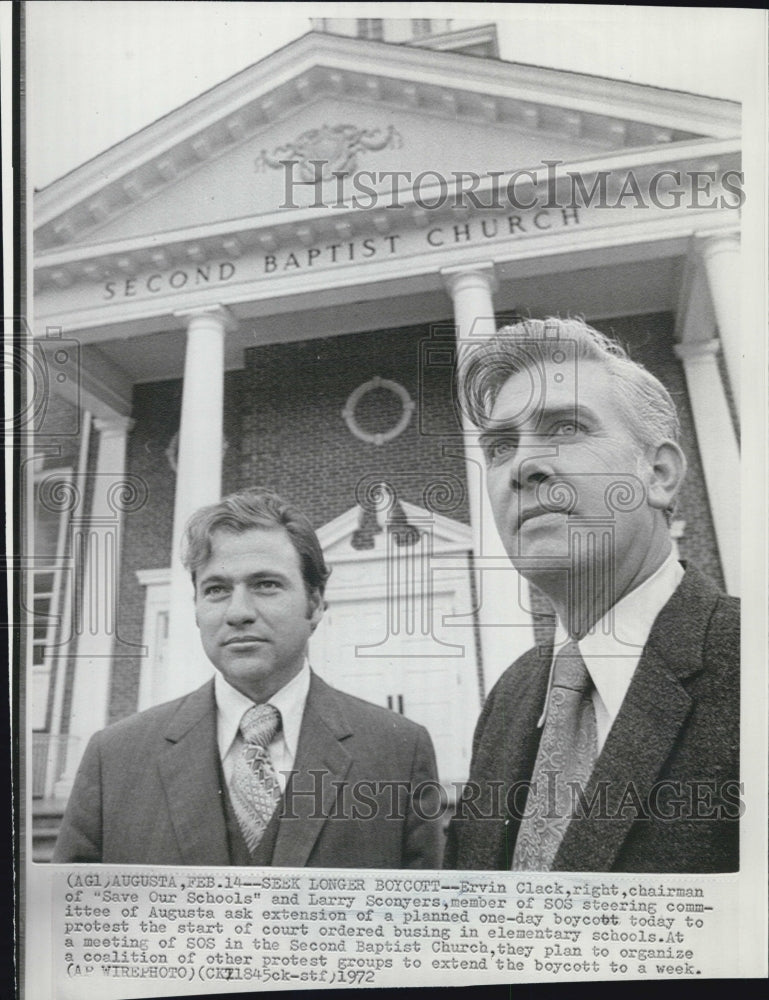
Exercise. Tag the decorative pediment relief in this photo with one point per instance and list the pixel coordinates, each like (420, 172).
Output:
(381, 512)
(340, 100)
(321, 154)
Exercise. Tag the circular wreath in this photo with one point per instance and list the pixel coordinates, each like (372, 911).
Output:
(407, 408)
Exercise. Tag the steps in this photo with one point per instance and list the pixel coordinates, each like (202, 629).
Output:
(46, 820)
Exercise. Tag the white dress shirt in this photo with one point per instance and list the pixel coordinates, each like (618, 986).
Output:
(231, 706)
(613, 646)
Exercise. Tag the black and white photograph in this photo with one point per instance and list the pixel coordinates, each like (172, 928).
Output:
(389, 427)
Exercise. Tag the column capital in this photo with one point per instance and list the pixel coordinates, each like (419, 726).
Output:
(117, 426)
(698, 350)
(219, 313)
(463, 276)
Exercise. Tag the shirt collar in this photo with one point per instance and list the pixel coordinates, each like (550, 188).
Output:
(613, 646)
(231, 705)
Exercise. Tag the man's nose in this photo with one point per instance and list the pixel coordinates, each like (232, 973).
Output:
(240, 607)
(528, 469)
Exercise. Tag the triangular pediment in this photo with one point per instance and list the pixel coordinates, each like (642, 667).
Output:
(358, 106)
(372, 141)
(342, 542)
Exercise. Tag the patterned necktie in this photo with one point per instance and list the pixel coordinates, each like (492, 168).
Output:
(567, 752)
(255, 789)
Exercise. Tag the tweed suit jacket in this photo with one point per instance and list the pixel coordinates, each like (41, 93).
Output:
(664, 789)
(149, 790)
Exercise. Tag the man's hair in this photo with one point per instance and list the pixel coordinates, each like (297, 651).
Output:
(249, 509)
(484, 368)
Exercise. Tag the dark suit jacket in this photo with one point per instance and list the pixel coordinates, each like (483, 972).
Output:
(149, 790)
(668, 770)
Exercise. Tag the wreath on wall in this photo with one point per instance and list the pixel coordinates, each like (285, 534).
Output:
(378, 437)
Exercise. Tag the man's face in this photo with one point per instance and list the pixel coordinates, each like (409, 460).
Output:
(566, 479)
(253, 611)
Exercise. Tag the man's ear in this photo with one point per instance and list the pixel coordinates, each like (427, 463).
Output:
(315, 608)
(667, 468)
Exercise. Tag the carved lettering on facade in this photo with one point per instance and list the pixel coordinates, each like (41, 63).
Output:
(493, 229)
(203, 274)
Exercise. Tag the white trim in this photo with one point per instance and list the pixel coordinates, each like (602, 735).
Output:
(157, 600)
(457, 40)
(612, 161)
(450, 535)
(579, 92)
(96, 636)
(154, 577)
(569, 250)
(55, 620)
(718, 449)
(67, 607)
(345, 591)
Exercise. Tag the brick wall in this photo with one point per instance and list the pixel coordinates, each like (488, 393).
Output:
(284, 429)
(294, 438)
(147, 531)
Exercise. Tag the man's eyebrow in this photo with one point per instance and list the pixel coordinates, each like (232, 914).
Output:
(490, 434)
(516, 427)
(572, 411)
(259, 574)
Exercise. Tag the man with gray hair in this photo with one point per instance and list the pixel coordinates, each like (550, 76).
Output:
(616, 748)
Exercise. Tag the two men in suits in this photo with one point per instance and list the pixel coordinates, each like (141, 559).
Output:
(265, 764)
(616, 748)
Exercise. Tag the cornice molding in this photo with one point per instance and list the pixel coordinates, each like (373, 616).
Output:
(194, 246)
(318, 65)
(569, 249)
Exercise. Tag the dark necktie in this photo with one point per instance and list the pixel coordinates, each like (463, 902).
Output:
(567, 752)
(255, 789)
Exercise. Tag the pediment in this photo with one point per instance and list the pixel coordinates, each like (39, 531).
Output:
(338, 537)
(250, 180)
(382, 109)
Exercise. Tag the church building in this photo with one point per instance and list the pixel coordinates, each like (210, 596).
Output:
(269, 286)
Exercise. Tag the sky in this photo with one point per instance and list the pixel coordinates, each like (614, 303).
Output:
(98, 71)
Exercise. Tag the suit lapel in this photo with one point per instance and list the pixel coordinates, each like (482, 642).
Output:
(641, 739)
(507, 756)
(189, 771)
(320, 750)
(650, 721)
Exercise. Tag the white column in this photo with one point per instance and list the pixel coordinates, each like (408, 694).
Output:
(95, 549)
(718, 449)
(721, 256)
(198, 482)
(506, 627)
